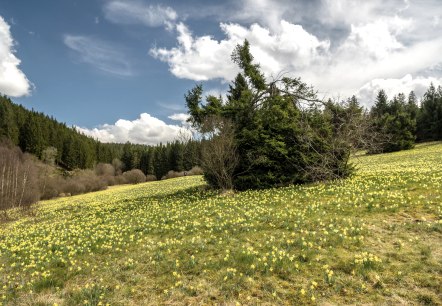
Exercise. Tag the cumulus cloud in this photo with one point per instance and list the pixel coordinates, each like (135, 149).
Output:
(134, 12)
(375, 40)
(338, 46)
(388, 44)
(204, 58)
(13, 81)
(143, 130)
(367, 93)
(102, 55)
(181, 117)
(349, 12)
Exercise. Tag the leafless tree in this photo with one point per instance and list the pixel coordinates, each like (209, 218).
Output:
(352, 133)
(18, 179)
(219, 152)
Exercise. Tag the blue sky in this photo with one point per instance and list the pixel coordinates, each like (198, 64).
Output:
(119, 69)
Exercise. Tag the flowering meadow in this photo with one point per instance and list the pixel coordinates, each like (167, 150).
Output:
(375, 238)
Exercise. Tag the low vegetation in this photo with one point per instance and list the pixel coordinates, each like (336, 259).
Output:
(24, 179)
(374, 238)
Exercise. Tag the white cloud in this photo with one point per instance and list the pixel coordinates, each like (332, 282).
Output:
(204, 58)
(102, 55)
(348, 12)
(388, 45)
(13, 81)
(375, 40)
(367, 93)
(144, 130)
(196, 59)
(181, 117)
(134, 12)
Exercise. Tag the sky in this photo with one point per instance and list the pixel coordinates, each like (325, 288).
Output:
(118, 70)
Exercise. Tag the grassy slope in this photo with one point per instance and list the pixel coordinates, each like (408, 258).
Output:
(373, 239)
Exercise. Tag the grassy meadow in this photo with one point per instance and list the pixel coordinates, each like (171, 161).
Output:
(375, 238)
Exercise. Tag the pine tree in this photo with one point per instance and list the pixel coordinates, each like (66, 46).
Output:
(393, 124)
(430, 115)
(8, 124)
(278, 141)
(128, 157)
(31, 138)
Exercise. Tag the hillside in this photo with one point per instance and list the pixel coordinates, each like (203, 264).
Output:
(34, 132)
(375, 238)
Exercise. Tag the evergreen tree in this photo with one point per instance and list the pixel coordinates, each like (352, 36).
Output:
(161, 161)
(394, 125)
(31, 138)
(380, 107)
(278, 142)
(8, 124)
(412, 106)
(128, 157)
(176, 156)
(430, 115)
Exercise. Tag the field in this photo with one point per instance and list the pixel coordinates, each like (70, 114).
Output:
(375, 238)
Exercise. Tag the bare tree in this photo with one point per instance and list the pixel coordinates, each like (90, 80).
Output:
(18, 179)
(352, 132)
(219, 152)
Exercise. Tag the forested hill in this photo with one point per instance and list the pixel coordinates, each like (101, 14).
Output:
(35, 132)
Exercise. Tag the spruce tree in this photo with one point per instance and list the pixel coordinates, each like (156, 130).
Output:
(394, 127)
(281, 135)
(430, 115)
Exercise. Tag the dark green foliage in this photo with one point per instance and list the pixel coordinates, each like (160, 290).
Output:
(160, 161)
(31, 136)
(176, 157)
(128, 157)
(282, 136)
(430, 115)
(146, 161)
(8, 123)
(394, 123)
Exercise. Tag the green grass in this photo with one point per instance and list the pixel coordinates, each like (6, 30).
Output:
(375, 238)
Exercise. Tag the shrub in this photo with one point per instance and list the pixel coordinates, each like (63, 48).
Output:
(83, 181)
(102, 169)
(173, 174)
(196, 170)
(150, 178)
(134, 176)
(120, 180)
(53, 187)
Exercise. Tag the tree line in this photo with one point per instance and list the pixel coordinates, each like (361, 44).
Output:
(402, 121)
(38, 134)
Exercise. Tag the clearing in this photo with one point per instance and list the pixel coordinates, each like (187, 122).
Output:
(375, 238)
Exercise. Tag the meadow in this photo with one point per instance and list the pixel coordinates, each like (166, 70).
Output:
(375, 238)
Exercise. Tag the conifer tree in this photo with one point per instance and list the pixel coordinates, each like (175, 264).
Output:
(280, 133)
(430, 115)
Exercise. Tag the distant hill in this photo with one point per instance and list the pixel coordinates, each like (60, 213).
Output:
(34, 132)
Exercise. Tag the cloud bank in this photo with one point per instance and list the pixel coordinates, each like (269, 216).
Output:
(144, 130)
(342, 48)
(204, 58)
(393, 87)
(13, 81)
